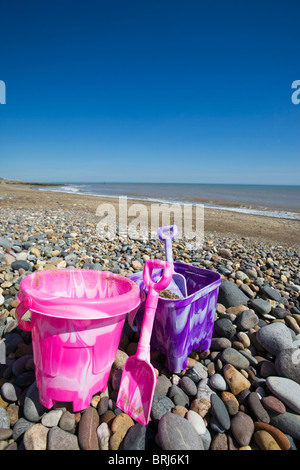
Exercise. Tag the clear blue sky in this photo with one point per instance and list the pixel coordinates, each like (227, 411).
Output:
(150, 91)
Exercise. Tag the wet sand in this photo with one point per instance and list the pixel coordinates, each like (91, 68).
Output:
(218, 222)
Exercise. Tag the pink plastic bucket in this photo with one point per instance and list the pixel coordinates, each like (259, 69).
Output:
(77, 317)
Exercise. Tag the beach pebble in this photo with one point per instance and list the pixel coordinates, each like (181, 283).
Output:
(5, 242)
(120, 359)
(242, 428)
(251, 273)
(220, 412)
(119, 427)
(286, 390)
(102, 406)
(261, 306)
(51, 418)
(107, 417)
(206, 439)
(9, 259)
(257, 408)
(197, 421)
(18, 366)
(103, 433)
(241, 275)
(278, 435)
(10, 392)
(160, 405)
(67, 421)
(224, 328)
(197, 372)
(5, 434)
(217, 344)
(287, 364)
(230, 295)
(188, 386)
(200, 406)
(274, 337)
(116, 379)
(162, 385)
(236, 381)
(33, 409)
(12, 342)
(287, 422)
(219, 442)
(87, 430)
(265, 441)
(230, 402)
(272, 403)
(178, 396)
(138, 437)
(180, 410)
(267, 368)
(271, 292)
(177, 433)
(218, 382)
(246, 320)
(35, 437)
(20, 264)
(58, 439)
(20, 427)
(233, 357)
(4, 419)
(279, 312)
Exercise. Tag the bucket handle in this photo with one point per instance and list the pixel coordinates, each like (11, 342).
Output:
(21, 309)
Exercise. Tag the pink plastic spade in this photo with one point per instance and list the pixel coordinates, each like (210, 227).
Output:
(138, 380)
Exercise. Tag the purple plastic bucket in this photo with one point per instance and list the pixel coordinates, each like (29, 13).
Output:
(183, 325)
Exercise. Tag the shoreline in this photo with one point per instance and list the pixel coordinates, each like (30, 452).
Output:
(219, 222)
(208, 203)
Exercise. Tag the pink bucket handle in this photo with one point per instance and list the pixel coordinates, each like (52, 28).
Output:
(21, 309)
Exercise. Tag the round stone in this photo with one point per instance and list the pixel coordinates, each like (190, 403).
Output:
(274, 337)
(197, 421)
(224, 328)
(242, 428)
(160, 405)
(246, 320)
(235, 358)
(219, 411)
(177, 433)
(287, 364)
(218, 382)
(257, 408)
(286, 390)
(272, 403)
(188, 386)
(35, 437)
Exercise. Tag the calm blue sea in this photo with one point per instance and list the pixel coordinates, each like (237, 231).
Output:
(268, 200)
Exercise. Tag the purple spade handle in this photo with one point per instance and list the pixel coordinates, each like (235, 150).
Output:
(168, 239)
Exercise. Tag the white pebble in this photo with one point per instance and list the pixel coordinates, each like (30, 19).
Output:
(1, 299)
(175, 379)
(103, 433)
(218, 382)
(197, 421)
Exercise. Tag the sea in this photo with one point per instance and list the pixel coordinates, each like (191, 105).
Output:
(268, 200)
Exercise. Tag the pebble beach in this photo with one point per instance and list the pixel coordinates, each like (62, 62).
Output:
(241, 394)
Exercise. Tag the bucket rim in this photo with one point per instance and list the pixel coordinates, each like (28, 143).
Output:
(109, 307)
(214, 284)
